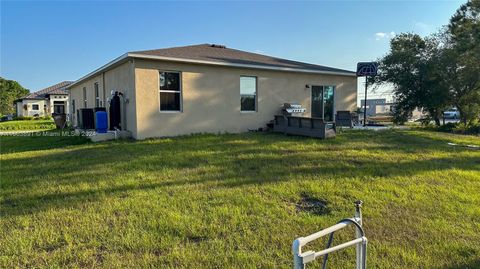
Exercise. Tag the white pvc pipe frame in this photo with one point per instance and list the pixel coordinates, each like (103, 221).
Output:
(300, 259)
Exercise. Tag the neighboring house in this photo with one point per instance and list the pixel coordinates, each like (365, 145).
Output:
(210, 88)
(380, 107)
(53, 99)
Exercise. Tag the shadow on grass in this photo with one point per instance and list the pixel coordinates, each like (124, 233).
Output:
(226, 161)
(471, 265)
(40, 140)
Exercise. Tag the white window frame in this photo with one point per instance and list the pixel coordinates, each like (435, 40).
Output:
(84, 97)
(38, 107)
(323, 95)
(180, 85)
(256, 94)
(96, 89)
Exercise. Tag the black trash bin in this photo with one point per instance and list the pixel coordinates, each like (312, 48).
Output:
(60, 120)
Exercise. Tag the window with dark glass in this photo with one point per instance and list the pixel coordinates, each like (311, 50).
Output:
(248, 94)
(170, 91)
(59, 107)
(97, 97)
(34, 107)
(73, 106)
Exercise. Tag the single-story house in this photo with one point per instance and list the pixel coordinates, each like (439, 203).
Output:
(210, 88)
(46, 102)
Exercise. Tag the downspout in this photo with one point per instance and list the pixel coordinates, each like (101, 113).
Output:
(123, 122)
(104, 90)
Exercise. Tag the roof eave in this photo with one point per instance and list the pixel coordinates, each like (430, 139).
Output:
(249, 66)
(173, 59)
(28, 98)
(48, 94)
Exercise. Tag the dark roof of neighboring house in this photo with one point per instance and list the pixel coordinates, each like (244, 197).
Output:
(222, 54)
(59, 88)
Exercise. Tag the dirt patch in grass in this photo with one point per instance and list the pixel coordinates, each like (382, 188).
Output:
(312, 205)
(195, 239)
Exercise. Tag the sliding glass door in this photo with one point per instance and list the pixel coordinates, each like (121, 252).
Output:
(323, 102)
(317, 101)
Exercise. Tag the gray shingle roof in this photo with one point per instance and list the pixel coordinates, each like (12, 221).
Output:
(58, 88)
(222, 54)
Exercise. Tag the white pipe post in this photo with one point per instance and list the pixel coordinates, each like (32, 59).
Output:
(360, 246)
(341, 246)
(364, 254)
(297, 250)
(301, 259)
(324, 232)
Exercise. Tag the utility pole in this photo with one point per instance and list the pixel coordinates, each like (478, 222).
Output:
(365, 103)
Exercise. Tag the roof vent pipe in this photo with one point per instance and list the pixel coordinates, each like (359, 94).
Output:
(218, 46)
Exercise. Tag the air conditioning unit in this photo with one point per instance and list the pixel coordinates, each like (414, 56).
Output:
(86, 118)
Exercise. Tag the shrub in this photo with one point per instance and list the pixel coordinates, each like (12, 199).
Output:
(467, 129)
(456, 128)
(26, 125)
(448, 127)
(23, 118)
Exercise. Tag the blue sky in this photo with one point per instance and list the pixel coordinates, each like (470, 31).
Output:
(43, 43)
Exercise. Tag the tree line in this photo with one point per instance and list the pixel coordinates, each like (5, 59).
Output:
(10, 90)
(437, 72)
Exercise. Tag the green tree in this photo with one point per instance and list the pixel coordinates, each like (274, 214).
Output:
(412, 67)
(10, 90)
(439, 71)
(462, 60)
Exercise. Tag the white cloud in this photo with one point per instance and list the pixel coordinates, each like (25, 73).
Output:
(384, 35)
(423, 28)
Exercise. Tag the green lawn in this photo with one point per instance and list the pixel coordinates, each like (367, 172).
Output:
(231, 201)
(26, 125)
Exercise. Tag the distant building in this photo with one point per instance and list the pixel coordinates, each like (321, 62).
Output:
(53, 99)
(376, 107)
(417, 113)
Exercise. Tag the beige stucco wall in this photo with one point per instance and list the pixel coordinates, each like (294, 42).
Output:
(122, 79)
(211, 97)
(76, 93)
(19, 108)
(58, 98)
(119, 78)
(29, 111)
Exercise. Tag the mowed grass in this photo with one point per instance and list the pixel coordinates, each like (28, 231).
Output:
(25, 125)
(230, 201)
